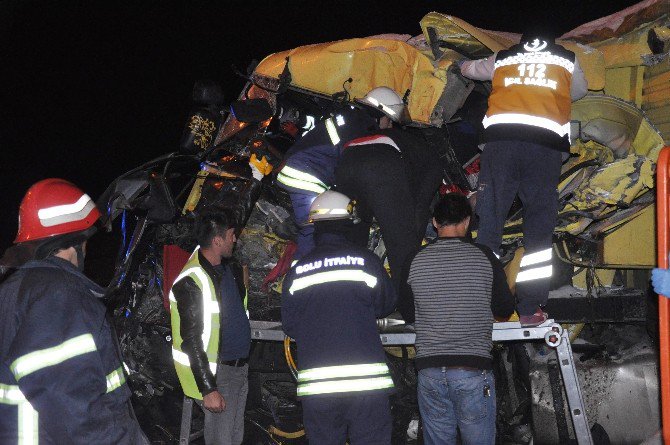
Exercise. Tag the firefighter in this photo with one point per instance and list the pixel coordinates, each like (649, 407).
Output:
(309, 167)
(211, 331)
(393, 175)
(527, 128)
(330, 301)
(61, 376)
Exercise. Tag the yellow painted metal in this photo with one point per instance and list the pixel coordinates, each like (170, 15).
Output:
(598, 109)
(512, 268)
(324, 69)
(626, 83)
(475, 42)
(478, 43)
(196, 191)
(627, 49)
(656, 96)
(632, 245)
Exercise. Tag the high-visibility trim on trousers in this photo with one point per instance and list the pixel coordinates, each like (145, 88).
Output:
(332, 276)
(535, 273)
(330, 372)
(541, 256)
(27, 416)
(182, 358)
(43, 358)
(348, 385)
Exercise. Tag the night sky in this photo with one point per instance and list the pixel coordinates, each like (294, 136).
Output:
(92, 89)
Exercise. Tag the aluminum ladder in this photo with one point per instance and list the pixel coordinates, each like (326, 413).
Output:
(550, 332)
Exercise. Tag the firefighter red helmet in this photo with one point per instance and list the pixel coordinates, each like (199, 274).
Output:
(54, 207)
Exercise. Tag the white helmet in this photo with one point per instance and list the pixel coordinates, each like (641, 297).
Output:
(387, 101)
(331, 205)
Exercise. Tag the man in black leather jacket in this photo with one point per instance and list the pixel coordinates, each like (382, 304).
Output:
(211, 329)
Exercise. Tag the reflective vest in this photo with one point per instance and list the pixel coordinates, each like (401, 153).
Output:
(531, 86)
(211, 325)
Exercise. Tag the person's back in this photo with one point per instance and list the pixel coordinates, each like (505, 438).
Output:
(452, 281)
(533, 85)
(527, 128)
(309, 166)
(341, 311)
(458, 287)
(330, 300)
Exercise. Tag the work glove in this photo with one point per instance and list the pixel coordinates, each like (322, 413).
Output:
(660, 280)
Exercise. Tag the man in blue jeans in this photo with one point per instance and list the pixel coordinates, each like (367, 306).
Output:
(458, 288)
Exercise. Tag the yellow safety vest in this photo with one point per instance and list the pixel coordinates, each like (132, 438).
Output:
(211, 325)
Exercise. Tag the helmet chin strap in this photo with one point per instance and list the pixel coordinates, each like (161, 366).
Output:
(79, 248)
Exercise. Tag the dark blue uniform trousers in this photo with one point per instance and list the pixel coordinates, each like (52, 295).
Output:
(301, 203)
(532, 171)
(364, 418)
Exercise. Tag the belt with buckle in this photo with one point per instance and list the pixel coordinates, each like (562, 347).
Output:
(236, 363)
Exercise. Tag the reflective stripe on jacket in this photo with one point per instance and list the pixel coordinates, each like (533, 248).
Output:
(531, 86)
(330, 300)
(61, 375)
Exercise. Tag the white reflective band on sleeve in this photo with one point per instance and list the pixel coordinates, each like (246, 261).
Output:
(115, 379)
(537, 257)
(28, 424)
(339, 386)
(527, 119)
(182, 358)
(332, 132)
(332, 276)
(536, 57)
(299, 184)
(536, 273)
(44, 358)
(331, 372)
(27, 416)
(297, 174)
(309, 123)
(11, 394)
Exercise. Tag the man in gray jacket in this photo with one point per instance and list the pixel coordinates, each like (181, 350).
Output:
(458, 288)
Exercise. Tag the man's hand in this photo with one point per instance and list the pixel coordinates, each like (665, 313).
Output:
(214, 402)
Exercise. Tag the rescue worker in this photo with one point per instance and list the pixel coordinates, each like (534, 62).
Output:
(309, 167)
(393, 175)
(527, 126)
(210, 329)
(61, 376)
(330, 301)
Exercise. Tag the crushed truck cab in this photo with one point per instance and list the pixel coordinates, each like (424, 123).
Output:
(604, 241)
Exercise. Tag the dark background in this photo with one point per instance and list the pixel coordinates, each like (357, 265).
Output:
(91, 89)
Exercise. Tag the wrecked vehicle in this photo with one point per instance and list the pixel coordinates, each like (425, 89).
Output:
(604, 240)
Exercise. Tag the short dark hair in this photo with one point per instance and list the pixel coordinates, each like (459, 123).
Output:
(452, 208)
(212, 223)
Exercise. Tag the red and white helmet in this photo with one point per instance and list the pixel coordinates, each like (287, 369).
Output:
(54, 207)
